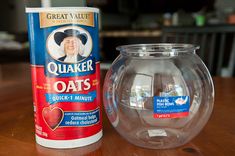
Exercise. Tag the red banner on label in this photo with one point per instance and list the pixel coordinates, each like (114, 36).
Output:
(51, 118)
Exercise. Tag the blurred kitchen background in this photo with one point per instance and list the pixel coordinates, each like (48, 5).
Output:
(208, 23)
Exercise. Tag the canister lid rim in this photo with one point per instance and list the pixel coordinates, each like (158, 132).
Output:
(51, 9)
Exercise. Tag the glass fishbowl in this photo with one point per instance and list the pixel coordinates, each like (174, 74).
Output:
(158, 96)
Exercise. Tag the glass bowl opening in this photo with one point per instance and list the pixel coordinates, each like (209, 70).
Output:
(164, 49)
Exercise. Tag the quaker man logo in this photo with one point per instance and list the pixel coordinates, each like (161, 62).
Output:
(69, 44)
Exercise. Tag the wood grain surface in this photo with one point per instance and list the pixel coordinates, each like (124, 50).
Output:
(17, 127)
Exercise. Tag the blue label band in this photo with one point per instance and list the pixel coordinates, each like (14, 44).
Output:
(55, 98)
(80, 119)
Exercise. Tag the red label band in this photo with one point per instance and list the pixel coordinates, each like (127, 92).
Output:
(172, 115)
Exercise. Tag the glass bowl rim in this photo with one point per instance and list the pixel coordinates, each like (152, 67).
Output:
(158, 48)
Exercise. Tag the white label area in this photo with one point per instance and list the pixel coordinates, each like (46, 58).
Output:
(157, 132)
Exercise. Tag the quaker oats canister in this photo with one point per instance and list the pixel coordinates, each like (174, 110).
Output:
(65, 75)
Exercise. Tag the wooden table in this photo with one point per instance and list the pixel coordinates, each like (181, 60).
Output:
(17, 128)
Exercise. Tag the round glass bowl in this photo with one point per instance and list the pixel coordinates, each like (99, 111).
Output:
(158, 95)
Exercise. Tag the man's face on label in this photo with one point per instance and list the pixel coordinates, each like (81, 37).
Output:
(72, 46)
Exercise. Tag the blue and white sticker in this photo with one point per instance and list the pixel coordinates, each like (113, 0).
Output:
(171, 106)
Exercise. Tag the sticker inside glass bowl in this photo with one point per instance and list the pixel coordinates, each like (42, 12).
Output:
(171, 107)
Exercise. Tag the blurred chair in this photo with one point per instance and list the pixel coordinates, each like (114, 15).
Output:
(217, 45)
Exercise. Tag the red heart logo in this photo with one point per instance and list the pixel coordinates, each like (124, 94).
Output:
(53, 117)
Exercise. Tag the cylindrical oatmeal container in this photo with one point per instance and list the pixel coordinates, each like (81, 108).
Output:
(64, 45)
